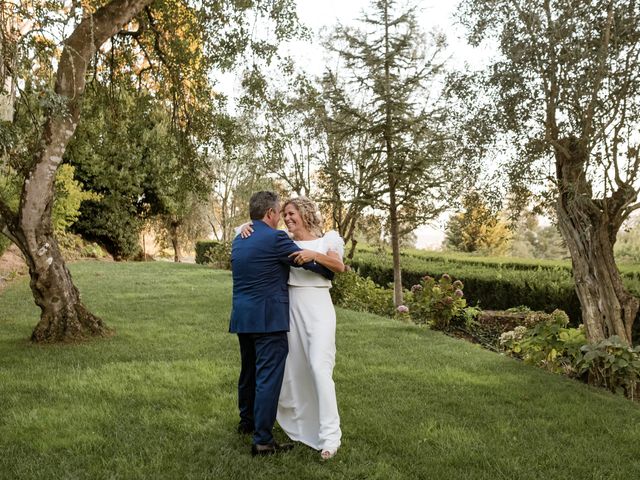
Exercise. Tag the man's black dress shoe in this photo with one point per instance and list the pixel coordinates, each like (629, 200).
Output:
(270, 448)
(245, 428)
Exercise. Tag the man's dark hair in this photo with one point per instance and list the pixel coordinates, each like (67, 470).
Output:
(260, 203)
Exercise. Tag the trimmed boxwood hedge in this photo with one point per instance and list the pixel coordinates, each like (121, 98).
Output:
(212, 252)
(511, 263)
(491, 286)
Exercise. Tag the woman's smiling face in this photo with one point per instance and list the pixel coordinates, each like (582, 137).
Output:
(293, 220)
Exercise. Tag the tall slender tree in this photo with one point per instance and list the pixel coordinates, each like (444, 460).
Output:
(393, 72)
(351, 175)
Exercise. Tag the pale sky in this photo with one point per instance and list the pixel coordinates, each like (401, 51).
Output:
(432, 14)
(323, 15)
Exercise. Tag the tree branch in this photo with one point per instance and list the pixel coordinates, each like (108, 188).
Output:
(157, 36)
(79, 48)
(133, 33)
(601, 73)
(7, 219)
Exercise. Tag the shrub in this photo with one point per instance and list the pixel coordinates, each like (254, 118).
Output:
(93, 250)
(69, 196)
(74, 247)
(492, 284)
(546, 341)
(436, 302)
(217, 254)
(612, 364)
(490, 287)
(113, 224)
(354, 292)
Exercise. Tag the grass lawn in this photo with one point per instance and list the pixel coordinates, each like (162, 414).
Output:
(158, 400)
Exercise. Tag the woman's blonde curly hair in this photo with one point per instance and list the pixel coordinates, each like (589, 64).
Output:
(309, 213)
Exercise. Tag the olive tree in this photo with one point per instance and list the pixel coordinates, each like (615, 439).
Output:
(566, 91)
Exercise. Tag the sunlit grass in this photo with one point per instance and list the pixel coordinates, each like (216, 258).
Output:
(158, 400)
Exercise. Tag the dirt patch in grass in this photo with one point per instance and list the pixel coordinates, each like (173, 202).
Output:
(12, 266)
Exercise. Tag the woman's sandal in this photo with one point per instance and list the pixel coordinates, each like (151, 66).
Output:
(327, 454)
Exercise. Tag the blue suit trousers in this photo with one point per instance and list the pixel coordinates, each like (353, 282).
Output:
(263, 357)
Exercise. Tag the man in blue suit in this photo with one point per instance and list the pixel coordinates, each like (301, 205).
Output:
(260, 316)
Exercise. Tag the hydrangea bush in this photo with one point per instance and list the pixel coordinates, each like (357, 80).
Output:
(436, 302)
(546, 341)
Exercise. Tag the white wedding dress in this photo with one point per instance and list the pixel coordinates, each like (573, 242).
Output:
(307, 409)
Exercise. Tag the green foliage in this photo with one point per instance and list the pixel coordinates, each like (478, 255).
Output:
(436, 302)
(293, 132)
(534, 241)
(612, 364)
(627, 247)
(214, 253)
(477, 228)
(126, 151)
(9, 187)
(234, 172)
(74, 247)
(69, 196)
(144, 126)
(354, 292)
(492, 283)
(544, 340)
(468, 316)
(9, 196)
(487, 285)
(389, 89)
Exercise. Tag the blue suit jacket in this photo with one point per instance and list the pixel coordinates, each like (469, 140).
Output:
(260, 266)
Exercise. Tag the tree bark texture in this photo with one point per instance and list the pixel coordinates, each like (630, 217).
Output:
(390, 153)
(63, 316)
(589, 227)
(395, 249)
(7, 62)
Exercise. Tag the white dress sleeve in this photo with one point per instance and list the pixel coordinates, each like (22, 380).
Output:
(333, 242)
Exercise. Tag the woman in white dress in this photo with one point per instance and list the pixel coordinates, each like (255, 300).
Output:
(307, 409)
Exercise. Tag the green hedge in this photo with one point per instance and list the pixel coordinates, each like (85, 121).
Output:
(214, 253)
(354, 292)
(490, 286)
(511, 263)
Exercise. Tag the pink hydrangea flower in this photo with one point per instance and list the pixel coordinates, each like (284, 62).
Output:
(403, 309)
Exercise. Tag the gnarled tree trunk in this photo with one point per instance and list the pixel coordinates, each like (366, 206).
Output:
(589, 227)
(63, 317)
